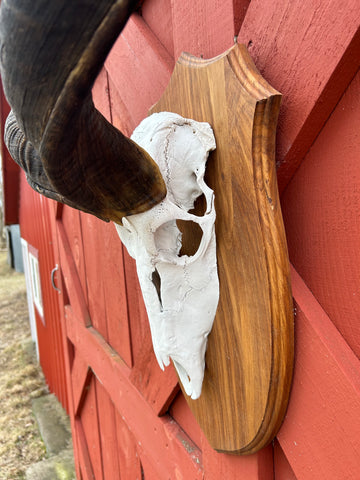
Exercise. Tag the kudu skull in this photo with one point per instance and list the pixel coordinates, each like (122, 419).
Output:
(70, 153)
(180, 291)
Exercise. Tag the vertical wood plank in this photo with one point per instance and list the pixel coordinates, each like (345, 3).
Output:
(85, 470)
(93, 231)
(157, 15)
(11, 172)
(240, 9)
(113, 279)
(90, 425)
(140, 330)
(309, 51)
(108, 434)
(204, 29)
(282, 468)
(70, 219)
(127, 454)
(121, 117)
(258, 466)
(139, 67)
(110, 266)
(148, 470)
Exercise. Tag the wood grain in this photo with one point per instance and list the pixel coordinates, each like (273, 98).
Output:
(250, 349)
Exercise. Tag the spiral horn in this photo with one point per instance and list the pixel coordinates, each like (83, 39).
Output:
(51, 53)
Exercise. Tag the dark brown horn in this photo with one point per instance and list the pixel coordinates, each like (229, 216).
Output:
(51, 54)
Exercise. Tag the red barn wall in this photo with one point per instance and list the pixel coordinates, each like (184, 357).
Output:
(35, 229)
(318, 152)
(319, 114)
(129, 419)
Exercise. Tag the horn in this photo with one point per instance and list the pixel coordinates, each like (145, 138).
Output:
(51, 53)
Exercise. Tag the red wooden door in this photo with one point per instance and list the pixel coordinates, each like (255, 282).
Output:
(129, 418)
(119, 396)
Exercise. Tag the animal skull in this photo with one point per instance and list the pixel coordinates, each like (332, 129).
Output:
(180, 292)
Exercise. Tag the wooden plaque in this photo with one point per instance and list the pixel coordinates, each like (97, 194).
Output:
(249, 358)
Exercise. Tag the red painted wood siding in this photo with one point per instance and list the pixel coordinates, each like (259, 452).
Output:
(321, 209)
(310, 52)
(10, 171)
(129, 419)
(35, 229)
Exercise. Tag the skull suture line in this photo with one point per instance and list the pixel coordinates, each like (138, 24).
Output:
(180, 292)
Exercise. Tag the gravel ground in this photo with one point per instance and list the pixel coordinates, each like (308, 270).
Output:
(21, 379)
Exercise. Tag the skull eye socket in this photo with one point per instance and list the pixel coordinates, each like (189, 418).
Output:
(191, 237)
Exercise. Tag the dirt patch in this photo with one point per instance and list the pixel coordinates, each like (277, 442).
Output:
(21, 379)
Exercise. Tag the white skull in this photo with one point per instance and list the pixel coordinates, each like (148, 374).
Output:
(180, 292)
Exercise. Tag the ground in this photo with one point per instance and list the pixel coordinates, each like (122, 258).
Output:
(21, 379)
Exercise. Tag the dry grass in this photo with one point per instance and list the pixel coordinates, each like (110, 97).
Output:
(20, 379)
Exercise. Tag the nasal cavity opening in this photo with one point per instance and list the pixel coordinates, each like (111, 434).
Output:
(199, 206)
(156, 280)
(191, 237)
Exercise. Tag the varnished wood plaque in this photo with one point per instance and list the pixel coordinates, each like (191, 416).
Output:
(249, 358)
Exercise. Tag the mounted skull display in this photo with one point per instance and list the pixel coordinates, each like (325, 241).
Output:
(70, 153)
(180, 291)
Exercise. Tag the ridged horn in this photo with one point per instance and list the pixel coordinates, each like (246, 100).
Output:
(51, 54)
